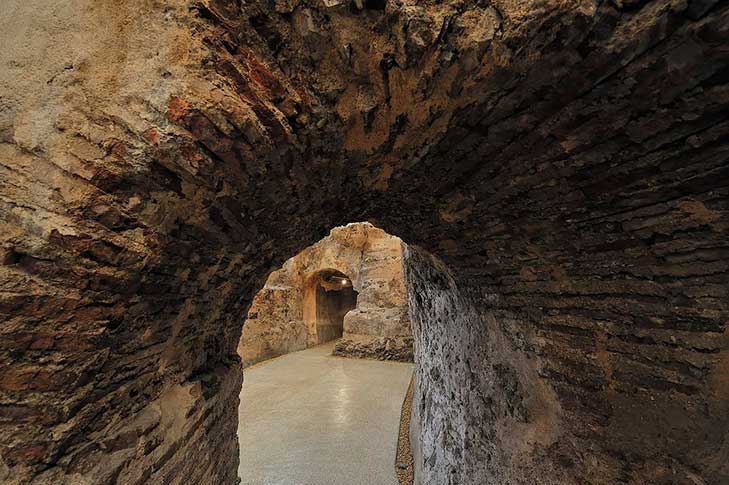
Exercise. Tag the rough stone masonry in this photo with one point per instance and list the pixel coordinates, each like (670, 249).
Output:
(558, 168)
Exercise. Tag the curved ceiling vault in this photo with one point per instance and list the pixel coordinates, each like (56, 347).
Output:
(566, 159)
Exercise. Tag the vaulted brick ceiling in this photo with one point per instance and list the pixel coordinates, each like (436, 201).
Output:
(567, 160)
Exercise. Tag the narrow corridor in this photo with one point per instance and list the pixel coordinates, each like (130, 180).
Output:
(309, 418)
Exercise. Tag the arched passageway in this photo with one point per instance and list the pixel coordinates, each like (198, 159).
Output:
(567, 160)
(349, 284)
(328, 297)
(327, 419)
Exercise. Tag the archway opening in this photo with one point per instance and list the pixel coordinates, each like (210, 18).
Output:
(334, 296)
(348, 287)
(344, 296)
(567, 159)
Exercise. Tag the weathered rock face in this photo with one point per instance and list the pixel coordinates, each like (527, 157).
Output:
(285, 315)
(481, 414)
(274, 325)
(566, 159)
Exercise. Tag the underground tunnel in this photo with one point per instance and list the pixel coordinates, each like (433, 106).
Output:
(327, 350)
(332, 297)
(558, 169)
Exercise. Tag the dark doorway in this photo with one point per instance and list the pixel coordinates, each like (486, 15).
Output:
(335, 296)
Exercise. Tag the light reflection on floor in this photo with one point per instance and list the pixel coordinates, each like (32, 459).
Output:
(308, 418)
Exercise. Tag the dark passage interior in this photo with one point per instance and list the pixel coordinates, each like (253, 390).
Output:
(334, 298)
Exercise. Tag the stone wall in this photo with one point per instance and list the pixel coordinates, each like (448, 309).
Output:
(274, 325)
(480, 406)
(379, 327)
(565, 159)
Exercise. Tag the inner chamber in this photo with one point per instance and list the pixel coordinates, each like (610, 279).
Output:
(335, 296)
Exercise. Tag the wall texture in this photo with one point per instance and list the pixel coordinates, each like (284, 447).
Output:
(481, 413)
(274, 325)
(282, 317)
(566, 159)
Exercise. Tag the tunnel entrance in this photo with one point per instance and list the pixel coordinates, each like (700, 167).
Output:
(348, 287)
(344, 296)
(334, 296)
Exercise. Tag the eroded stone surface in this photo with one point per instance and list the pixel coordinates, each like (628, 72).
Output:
(322, 414)
(566, 159)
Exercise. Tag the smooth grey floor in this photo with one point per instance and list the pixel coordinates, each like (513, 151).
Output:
(309, 418)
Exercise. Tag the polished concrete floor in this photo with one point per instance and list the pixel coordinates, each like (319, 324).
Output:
(309, 418)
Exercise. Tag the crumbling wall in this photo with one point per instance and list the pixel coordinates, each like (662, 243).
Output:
(379, 327)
